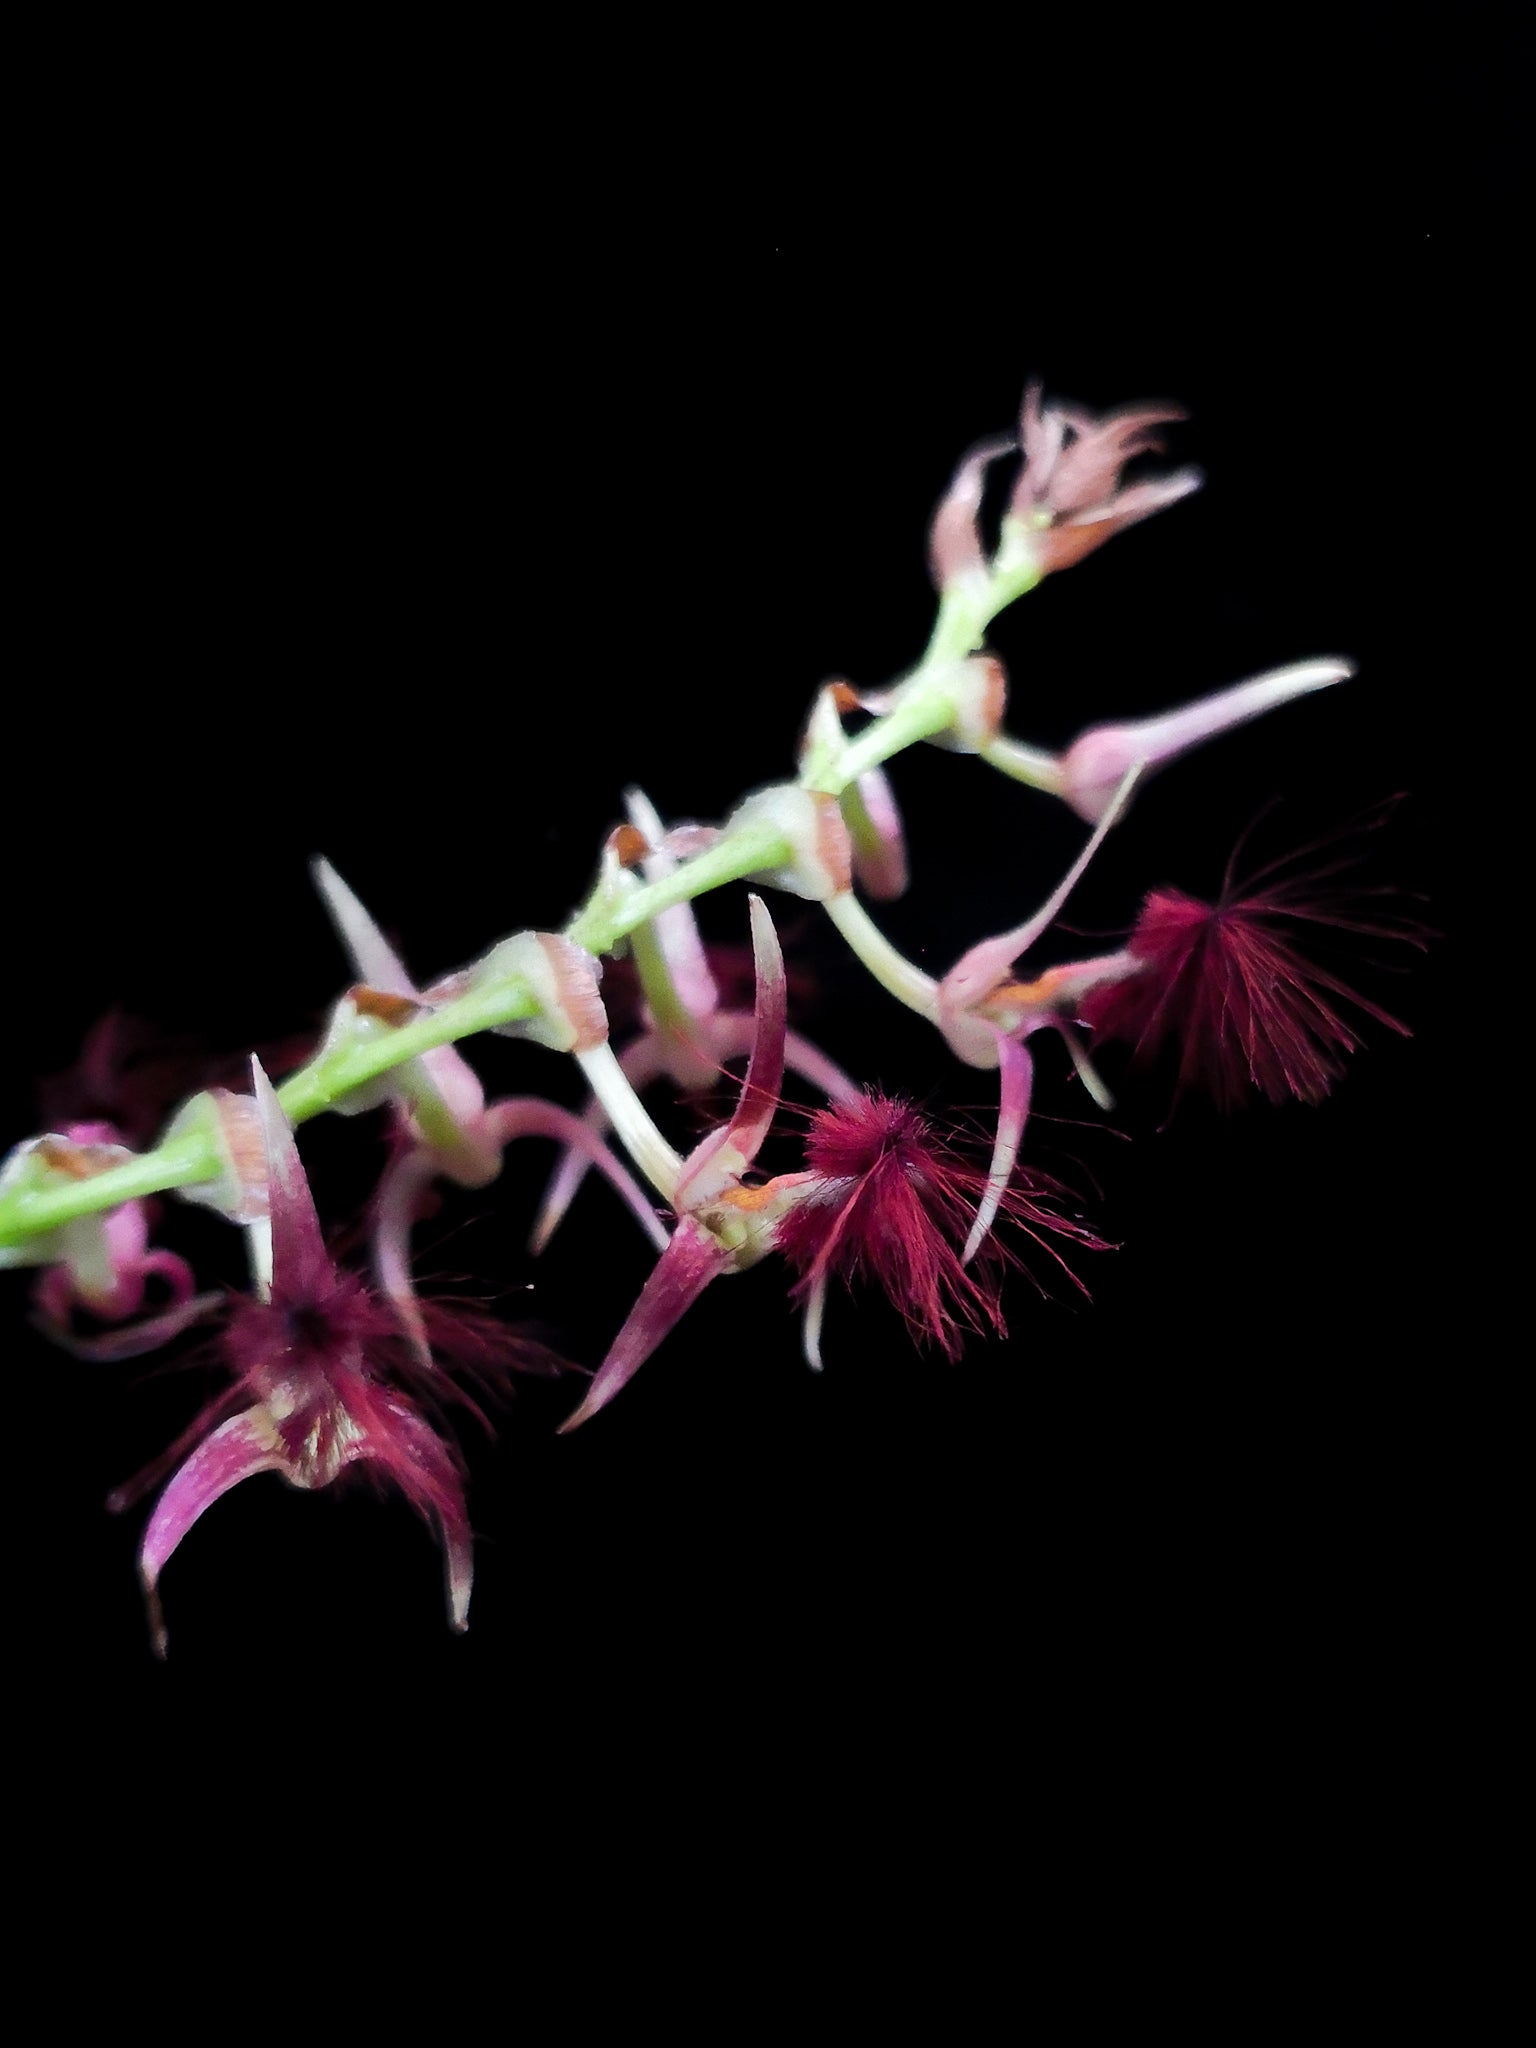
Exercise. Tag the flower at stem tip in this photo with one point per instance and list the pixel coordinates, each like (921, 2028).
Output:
(1069, 498)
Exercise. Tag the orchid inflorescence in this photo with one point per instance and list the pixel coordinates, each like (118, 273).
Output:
(330, 1372)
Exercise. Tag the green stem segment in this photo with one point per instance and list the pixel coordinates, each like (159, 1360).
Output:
(747, 846)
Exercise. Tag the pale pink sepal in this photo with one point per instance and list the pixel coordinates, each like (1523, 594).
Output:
(408, 1432)
(133, 1340)
(691, 1260)
(411, 1173)
(237, 1449)
(1016, 1078)
(1092, 767)
(725, 1154)
(378, 965)
(878, 837)
(528, 1116)
(299, 1262)
(677, 929)
(640, 1063)
(977, 972)
(954, 539)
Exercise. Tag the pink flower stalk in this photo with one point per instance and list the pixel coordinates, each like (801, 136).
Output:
(1228, 983)
(1069, 498)
(444, 1126)
(329, 1385)
(1091, 770)
(687, 1035)
(887, 1200)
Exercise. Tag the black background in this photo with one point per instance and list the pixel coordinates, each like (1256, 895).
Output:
(390, 503)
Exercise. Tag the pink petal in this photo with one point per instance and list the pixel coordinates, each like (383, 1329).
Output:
(527, 1116)
(677, 929)
(1016, 1077)
(238, 1449)
(373, 958)
(728, 1152)
(976, 973)
(376, 963)
(691, 1260)
(300, 1266)
(415, 1457)
(954, 539)
(133, 1340)
(879, 842)
(400, 1190)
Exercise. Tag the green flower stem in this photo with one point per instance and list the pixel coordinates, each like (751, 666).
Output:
(194, 1156)
(33, 1211)
(741, 850)
(1023, 764)
(894, 971)
(923, 711)
(326, 1080)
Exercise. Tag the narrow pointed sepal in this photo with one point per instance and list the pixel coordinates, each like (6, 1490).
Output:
(691, 1260)
(238, 1449)
(1016, 1072)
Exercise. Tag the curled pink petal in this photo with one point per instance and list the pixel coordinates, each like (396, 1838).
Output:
(374, 960)
(133, 1340)
(954, 538)
(726, 1153)
(1016, 1076)
(528, 1116)
(405, 1180)
(415, 1457)
(640, 1063)
(237, 1449)
(299, 1262)
(691, 1260)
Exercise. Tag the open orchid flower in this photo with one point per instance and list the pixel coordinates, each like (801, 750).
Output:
(324, 1383)
(101, 1264)
(445, 1127)
(688, 1035)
